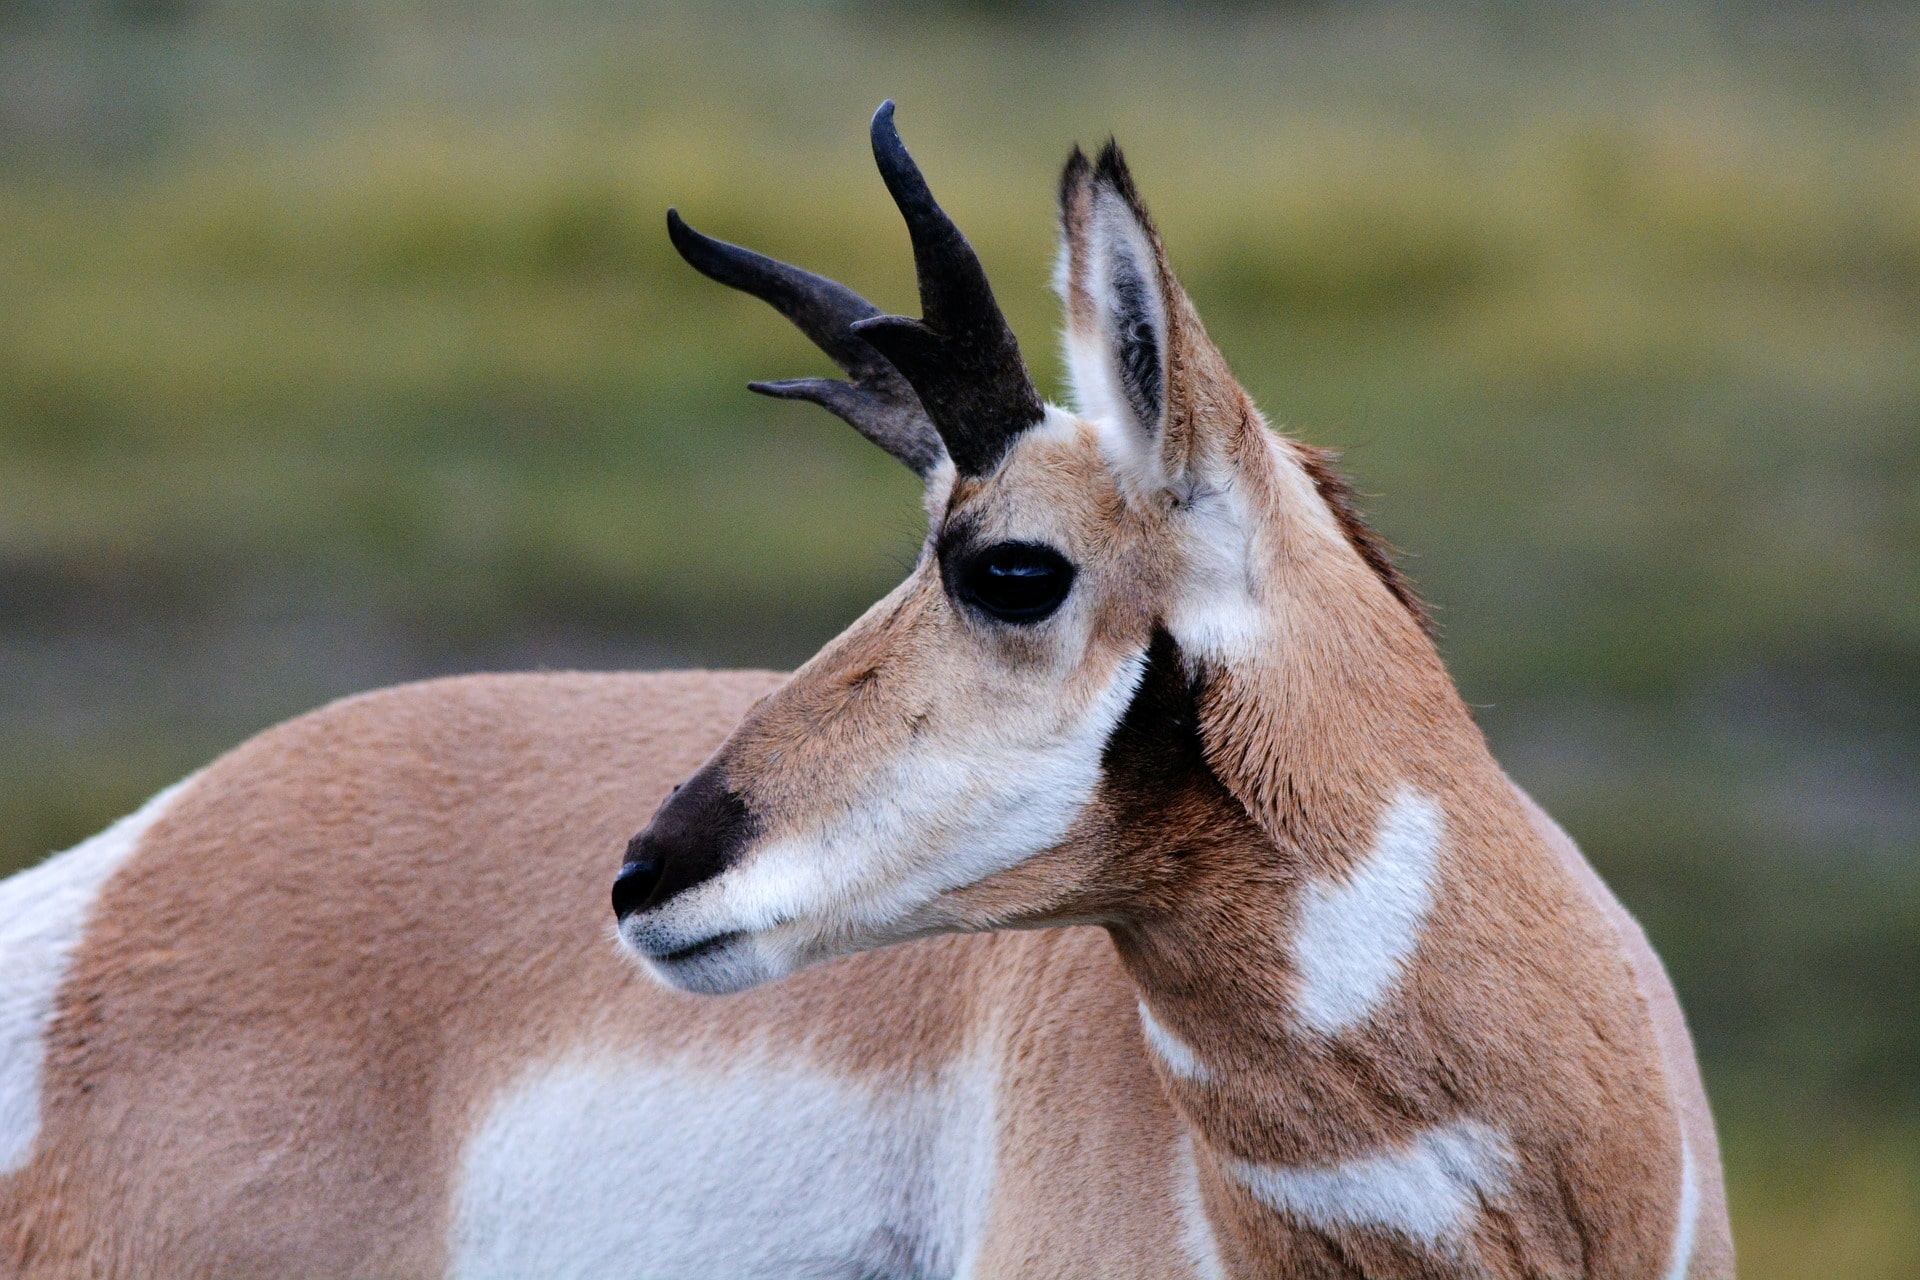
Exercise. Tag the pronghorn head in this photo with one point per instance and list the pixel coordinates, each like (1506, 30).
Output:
(996, 743)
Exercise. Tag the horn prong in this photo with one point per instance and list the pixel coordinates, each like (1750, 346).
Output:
(823, 309)
(899, 428)
(958, 367)
(878, 403)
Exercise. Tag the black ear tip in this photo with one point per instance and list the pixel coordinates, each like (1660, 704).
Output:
(1075, 174)
(883, 115)
(1110, 170)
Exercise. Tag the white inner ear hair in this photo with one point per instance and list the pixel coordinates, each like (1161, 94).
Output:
(1135, 312)
(1117, 367)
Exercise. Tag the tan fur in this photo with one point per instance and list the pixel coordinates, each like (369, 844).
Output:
(313, 976)
(298, 998)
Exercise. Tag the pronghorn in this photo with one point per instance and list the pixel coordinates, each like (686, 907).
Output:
(1128, 893)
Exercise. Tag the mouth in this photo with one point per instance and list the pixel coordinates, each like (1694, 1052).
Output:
(718, 942)
(718, 965)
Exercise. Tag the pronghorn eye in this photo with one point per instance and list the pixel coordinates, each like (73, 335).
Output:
(1016, 581)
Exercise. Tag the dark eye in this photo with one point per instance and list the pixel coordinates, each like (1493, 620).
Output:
(1016, 581)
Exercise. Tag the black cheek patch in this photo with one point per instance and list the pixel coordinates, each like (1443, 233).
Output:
(1160, 803)
(1155, 750)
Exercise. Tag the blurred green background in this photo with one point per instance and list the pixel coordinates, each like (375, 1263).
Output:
(341, 344)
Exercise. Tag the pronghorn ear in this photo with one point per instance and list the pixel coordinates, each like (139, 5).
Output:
(1119, 294)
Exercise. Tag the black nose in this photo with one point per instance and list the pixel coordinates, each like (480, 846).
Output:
(639, 876)
(697, 834)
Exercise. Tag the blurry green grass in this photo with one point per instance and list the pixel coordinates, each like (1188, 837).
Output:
(1813, 1202)
(1617, 310)
(1662, 348)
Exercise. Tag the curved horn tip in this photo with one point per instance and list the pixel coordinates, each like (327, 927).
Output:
(682, 235)
(891, 155)
(711, 258)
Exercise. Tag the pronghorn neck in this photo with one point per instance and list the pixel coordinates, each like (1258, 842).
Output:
(1308, 875)
(1273, 995)
(1328, 811)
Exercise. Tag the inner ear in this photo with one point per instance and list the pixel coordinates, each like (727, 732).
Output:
(1134, 328)
(1113, 282)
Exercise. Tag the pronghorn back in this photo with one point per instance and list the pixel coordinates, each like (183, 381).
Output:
(1128, 893)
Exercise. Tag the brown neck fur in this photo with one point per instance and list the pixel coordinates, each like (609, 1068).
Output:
(1515, 1013)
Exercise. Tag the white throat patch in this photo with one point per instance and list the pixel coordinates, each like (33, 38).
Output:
(1355, 936)
(1429, 1191)
(1174, 1053)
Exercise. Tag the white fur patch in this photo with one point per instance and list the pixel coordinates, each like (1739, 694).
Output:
(1174, 1053)
(935, 817)
(1687, 1216)
(1429, 1191)
(605, 1166)
(1116, 248)
(1057, 426)
(1196, 1231)
(1355, 936)
(935, 489)
(1221, 611)
(1217, 614)
(43, 915)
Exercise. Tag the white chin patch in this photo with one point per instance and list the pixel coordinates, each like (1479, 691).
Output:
(733, 963)
(935, 818)
(677, 949)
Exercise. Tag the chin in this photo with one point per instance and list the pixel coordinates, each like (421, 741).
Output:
(727, 968)
(689, 953)
(720, 965)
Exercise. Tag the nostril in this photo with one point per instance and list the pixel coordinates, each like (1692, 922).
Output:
(694, 836)
(637, 880)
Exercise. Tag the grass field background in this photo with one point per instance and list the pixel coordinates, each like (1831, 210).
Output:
(342, 344)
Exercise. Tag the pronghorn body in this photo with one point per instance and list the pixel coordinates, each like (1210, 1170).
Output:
(1342, 1001)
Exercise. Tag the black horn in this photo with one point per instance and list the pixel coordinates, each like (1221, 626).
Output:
(878, 402)
(960, 355)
